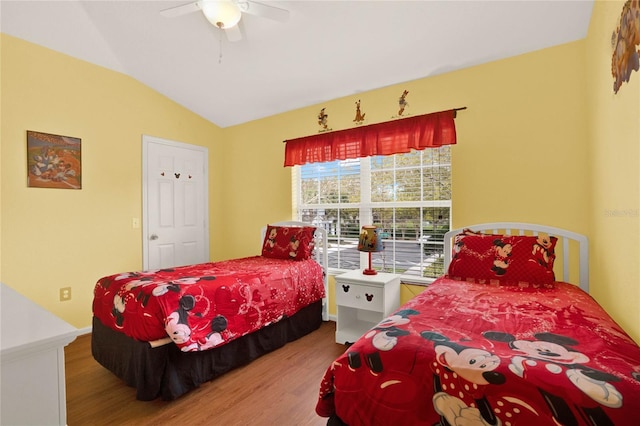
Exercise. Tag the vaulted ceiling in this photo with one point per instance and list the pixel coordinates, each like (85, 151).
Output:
(326, 49)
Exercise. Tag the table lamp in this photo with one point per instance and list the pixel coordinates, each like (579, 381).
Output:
(369, 242)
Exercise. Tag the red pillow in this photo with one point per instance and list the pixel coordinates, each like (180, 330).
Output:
(503, 259)
(288, 242)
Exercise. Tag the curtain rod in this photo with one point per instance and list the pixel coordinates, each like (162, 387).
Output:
(455, 113)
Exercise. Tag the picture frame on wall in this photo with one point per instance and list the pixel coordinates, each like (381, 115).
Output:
(54, 161)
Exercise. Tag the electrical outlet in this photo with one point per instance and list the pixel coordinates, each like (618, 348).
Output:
(65, 294)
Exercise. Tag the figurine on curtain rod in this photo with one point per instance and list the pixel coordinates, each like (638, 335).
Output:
(359, 114)
(402, 103)
(323, 119)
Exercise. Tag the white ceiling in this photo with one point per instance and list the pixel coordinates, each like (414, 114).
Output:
(327, 49)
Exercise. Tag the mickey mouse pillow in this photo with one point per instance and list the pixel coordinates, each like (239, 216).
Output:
(519, 260)
(288, 242)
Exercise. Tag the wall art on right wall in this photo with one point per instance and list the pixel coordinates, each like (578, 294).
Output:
(625, 41)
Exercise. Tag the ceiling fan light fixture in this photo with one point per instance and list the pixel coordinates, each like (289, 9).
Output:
(221, 13)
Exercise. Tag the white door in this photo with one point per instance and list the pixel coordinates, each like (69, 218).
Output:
(175, 203)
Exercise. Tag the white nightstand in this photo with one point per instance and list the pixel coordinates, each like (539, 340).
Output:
(362, 301)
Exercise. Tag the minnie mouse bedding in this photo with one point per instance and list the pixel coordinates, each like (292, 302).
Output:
(496, 341)
(469, 353)
(207, 305)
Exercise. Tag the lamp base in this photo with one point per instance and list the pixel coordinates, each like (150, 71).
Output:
(369, 270)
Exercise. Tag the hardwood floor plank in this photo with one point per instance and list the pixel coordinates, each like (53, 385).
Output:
(279, 388)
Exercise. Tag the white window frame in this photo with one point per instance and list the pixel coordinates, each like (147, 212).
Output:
(366, 207)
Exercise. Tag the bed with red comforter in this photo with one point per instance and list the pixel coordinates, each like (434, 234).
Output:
(167, 331)
(482, 349)
(203, 306)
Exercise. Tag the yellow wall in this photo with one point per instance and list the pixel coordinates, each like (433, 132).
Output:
(535, 145)
(54, 238)
(256, 188)
(521, 154)
(613, 124)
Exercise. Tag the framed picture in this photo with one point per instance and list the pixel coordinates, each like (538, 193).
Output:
(54, 161)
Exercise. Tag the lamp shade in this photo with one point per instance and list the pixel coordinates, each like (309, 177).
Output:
(369, 240)
(221, 13)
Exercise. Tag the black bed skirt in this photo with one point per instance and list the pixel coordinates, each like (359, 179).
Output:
(168, 373)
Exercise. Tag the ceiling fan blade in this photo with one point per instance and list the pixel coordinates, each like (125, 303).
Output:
(263, 10)
(234, 33)
(173, 12)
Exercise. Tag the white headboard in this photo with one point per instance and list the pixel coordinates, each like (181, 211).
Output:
(570, 248)
(321, 256)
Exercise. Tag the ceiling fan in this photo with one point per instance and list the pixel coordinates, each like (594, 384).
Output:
(226, 14)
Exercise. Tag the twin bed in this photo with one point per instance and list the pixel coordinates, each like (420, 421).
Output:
(498, 340)
(167, 331)
(502, 339)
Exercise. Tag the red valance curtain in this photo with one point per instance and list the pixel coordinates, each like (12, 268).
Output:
(392, 137)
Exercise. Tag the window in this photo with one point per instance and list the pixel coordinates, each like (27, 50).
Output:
(407, 196)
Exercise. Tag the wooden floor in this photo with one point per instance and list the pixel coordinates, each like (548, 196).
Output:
(280, 388)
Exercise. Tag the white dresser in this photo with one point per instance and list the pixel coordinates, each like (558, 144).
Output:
(362, 301)
(32, 357)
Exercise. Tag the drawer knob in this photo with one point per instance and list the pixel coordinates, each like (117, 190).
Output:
(369, 297)
(345, 288)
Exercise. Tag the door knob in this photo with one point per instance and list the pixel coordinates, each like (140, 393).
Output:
(153, 237)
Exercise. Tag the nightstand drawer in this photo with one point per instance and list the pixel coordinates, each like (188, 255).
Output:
(360, 296)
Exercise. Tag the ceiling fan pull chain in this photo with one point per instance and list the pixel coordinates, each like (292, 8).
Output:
(220, 57)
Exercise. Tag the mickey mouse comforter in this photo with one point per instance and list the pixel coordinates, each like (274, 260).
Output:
(207, 305)
(462, 353)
